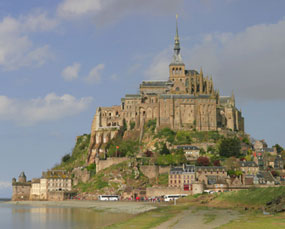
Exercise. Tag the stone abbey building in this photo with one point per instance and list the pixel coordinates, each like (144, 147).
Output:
(187, 100)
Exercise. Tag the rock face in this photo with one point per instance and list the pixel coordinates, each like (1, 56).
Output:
(277, 205)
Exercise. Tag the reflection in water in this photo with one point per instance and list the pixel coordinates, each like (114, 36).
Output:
(27, 217)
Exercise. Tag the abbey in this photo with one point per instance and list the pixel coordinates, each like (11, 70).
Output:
(187, 100)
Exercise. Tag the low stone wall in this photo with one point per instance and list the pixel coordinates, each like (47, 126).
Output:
(161, 191)
(56, 196)
(152, 171)
(103, 164)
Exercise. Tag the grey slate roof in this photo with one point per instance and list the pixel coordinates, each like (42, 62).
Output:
(191, 72)
(155, 83)
(188, 147)
(182, 96)
(132, 96)
(247, 164)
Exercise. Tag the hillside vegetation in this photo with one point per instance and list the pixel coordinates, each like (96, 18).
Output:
(78, 156)
(115, 179)
(253, 196)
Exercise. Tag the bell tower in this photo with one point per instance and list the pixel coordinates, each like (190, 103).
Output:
(177, 67)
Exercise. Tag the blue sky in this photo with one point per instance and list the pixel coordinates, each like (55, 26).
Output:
(60, 59)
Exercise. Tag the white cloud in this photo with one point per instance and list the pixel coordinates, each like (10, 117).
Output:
(158, 69)
(51, 107)
(16, 48)
(95, 74)
(250, 62)
(104, 11)
(114, 77)
(38, 21)
(72, 8)
(71, 72)
(5, 184)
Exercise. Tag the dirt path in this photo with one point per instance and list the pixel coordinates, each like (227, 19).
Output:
(196, 217)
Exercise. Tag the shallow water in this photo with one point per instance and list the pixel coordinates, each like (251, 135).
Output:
(30, 217)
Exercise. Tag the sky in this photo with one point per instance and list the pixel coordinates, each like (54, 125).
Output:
(60, 59)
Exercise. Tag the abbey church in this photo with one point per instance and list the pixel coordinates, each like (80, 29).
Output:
(187, 100)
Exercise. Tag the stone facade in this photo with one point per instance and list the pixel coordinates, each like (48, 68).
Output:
(187, 100)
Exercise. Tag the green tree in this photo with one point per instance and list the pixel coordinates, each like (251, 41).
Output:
(278, 148)
(230, 147)
(164, 149)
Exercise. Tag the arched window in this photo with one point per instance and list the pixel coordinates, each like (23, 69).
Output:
(177, 89)
(180, 71)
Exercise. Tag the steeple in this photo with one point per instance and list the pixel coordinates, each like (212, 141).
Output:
(177, 41)
(176, 56)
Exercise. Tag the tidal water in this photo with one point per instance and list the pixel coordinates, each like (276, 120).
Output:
(29, 217)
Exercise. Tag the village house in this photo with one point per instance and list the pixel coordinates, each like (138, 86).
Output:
(249, 167)
(191, 152)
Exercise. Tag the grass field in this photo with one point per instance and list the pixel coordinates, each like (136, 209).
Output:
(254, 196)
(252, 220)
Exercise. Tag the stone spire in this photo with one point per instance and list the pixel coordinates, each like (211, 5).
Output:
(177, 59)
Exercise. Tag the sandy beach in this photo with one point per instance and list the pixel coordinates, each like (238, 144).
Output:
(116, 207)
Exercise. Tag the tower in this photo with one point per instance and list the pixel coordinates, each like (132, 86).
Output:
(177, 67)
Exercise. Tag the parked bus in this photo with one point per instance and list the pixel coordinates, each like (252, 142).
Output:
(168, 198)
(108, 197)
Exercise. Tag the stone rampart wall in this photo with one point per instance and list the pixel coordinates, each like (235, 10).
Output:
(21, 192)
(103, 164)
(152, 171)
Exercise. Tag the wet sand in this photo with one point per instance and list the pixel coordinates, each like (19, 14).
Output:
(116, 207)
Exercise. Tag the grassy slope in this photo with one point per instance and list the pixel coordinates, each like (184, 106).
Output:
(113, 178)
(253, 197)
(78, 156)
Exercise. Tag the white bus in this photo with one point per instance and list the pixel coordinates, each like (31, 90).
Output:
(108, 197)
(168, 198)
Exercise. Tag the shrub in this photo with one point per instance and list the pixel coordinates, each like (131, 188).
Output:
(203, 161)
(151, 125)
(148, 153)
(166, 133)
(182, 137)
(132, 125)
(217, 163)
(66, 158)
